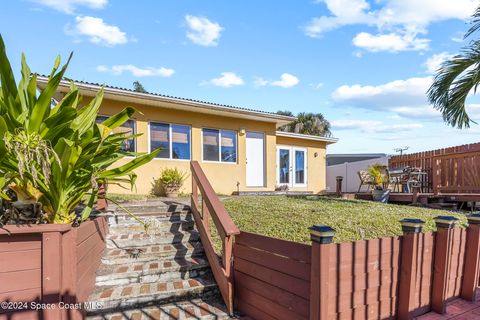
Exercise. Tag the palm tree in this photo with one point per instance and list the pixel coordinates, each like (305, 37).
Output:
(455, 79)
(307, 123)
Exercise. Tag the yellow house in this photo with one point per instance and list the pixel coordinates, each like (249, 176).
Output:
(239, 149)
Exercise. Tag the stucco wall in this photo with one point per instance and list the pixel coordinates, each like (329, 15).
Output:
(222, 176)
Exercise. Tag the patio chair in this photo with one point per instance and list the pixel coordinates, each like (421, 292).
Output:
(365, 179)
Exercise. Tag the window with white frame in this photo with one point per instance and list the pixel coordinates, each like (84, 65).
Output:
(172, 139)
(128, 128)
(219, 145)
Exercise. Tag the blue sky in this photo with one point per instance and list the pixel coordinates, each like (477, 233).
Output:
(364, 64)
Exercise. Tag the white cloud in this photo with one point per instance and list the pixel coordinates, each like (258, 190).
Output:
(373, 126)
(286, 80)
(434, 62)
(391, 42)
(400, 21)
(396, 93)
(227, 80)
(136, 71)
(202, 31)
(69, 6)
(457, 37)
(316, 86)
(98, 31)
(405, 98)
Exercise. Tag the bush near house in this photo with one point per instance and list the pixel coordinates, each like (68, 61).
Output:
(289, 218)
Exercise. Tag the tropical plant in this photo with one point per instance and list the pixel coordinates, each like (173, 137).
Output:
(379, 175)
(307, 123)
(57, 155)
(138, 87)
(456, 79)
(170, 180)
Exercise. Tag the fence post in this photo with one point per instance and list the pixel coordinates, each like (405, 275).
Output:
(321, 236)
(472, 256)
(408, 267)
(441, 261)
(338, 190)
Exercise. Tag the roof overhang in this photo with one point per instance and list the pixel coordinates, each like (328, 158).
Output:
(118, 94)
(306, 137)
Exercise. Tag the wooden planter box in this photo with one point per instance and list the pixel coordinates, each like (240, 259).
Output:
(49, 267)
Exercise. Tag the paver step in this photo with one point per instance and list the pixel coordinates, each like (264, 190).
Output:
(160, 225)
(155, 271)
(120, 218)
(141, 208)
(187, 309)
(152, 253)
(131, 296)
(141, 239)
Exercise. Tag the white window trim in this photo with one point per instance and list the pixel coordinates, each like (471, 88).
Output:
(170, 142)
(220, 146)
(134, 132)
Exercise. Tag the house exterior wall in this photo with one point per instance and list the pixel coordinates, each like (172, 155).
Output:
(223, 176)
(316, 168)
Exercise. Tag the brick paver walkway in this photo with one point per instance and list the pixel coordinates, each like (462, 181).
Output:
(457, 309)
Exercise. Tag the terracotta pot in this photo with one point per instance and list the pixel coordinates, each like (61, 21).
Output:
(172, 194)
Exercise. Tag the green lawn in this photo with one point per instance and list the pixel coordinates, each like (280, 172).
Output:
(289, 218)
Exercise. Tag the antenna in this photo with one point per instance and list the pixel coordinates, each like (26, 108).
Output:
(401, 149)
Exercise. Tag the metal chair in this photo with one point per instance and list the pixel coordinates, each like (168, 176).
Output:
(365, 179)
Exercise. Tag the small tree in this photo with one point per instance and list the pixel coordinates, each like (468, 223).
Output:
(138, 87)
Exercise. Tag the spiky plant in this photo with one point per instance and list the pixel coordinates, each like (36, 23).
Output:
(58, 155)
(456, 79)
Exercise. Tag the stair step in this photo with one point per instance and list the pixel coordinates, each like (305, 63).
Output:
(117, 298)
(187, 309)
(160, 226)
(142, 239)
(123, 218)
(152, 253)
(155, 271)
(141, 208)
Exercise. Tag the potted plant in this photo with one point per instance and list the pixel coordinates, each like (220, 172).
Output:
(171, 180)
(53, 160)
(380, 191)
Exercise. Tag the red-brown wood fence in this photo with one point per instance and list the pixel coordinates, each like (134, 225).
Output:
(450, 170)
(394, 277)
(49, 264)
(272, 277)
(212, 207)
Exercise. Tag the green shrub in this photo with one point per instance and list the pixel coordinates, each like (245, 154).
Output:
(170, 180)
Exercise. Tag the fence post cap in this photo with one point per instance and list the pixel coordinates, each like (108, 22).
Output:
(446, 222)
(412, 225)
(473, 218)
(321, 233)
(339, 177)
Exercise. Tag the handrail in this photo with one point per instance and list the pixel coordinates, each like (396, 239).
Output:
(226, 228)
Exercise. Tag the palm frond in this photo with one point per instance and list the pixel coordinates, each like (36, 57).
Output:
(455, 79)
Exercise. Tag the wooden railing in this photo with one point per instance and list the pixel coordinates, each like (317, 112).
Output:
(226, 228)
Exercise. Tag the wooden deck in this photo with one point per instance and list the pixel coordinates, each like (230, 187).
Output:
(423, 198)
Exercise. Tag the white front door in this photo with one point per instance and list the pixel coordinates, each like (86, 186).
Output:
(292, 166)
(255, 159)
